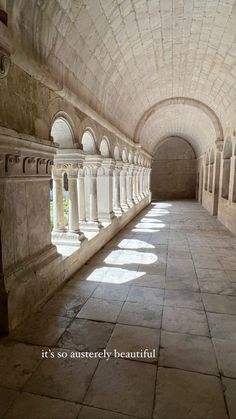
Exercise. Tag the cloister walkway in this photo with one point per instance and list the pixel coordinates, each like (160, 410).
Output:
(166, 283)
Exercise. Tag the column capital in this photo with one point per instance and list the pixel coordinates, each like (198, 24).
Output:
(219, 144)
(92, 163)
(107, 167)
(119, 164)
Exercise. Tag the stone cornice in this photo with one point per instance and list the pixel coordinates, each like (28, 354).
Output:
(23, 158)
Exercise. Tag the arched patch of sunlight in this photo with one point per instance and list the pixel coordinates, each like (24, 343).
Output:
(144, 230)
(150, 225)
(155, 214)
(125, 257)
(158, 211)
(134, 244)
(161, 205)
(112, 275)
(150, 220)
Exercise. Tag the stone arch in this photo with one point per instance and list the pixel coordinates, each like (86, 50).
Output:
(183, 101)
(116, 153)
(131, 157)
(104, 147)
(62, 131)
(174, 170)
(177, 137)
(124, 155)
(88, 141)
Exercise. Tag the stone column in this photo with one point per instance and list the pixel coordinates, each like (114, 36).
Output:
(135, 191)
(116, 189)
(149, 179)
(105, 190)
(138, 183)
(73, 222)
(146, 181)
(130, 182)
(91, 165)
(81, 197)
(58, 209)
(123, 188)
(142, 194)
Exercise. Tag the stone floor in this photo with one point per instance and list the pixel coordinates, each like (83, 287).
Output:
(165, 283)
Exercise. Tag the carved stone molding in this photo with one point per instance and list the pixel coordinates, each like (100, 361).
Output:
(5, 63)
(20, 165)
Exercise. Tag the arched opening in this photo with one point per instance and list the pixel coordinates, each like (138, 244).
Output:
(174, 170)
(227, 154)
(88, 142)
(62, 133)
(116, 153)
(124, 156)
(104, 148)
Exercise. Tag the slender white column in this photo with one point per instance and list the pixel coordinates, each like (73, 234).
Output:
(58, 210)
(116, 189)
(73, 222)
(135, 184)
(138, 180)
(141, 183)
(144, 181)
(81, 197)
(130, 176)
(149, 179)
(105, 190)
(123, 188)
(91, 165)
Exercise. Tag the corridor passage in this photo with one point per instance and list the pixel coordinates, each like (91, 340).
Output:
(166, 283)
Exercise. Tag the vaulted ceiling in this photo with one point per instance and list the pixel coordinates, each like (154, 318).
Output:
(122, 57)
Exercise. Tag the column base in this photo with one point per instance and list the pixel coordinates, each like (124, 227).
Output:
(106, 218)
(93, 226)
(124, 207)
(68, 238)
(118, 211)
(130, 203)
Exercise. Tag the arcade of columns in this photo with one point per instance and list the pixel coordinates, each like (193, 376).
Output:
(99, 190)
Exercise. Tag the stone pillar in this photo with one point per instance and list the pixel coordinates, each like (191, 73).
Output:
(130, 182)
(123, 188)
(149, 179)
(30, 266)
(135, 184)
(142, 171)
(116, 189)
(58, 210)
(73, 222)
(146, 181)
(91, 165)
(81, 197)
(105, 190)
(138, 183)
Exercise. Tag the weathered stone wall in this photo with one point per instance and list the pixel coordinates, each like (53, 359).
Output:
(174, 170)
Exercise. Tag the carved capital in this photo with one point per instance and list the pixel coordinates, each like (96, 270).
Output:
(219, 144)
